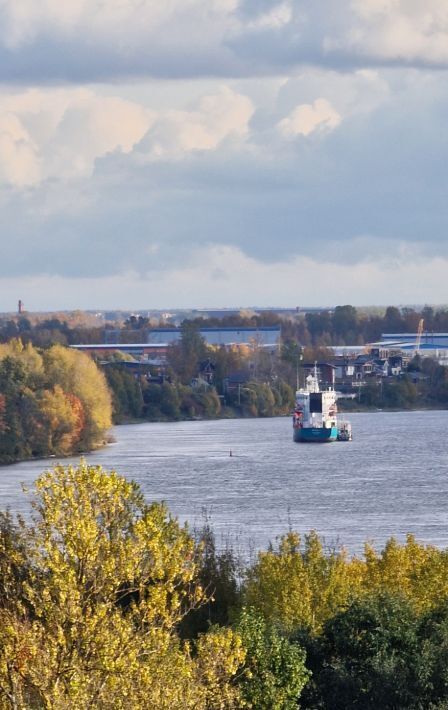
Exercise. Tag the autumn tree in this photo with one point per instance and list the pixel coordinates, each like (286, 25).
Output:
(52, 402)
(93, 622)
(77, 374)
(184, 357)
(299, 585)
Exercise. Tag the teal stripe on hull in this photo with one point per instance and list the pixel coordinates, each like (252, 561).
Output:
(317, 435)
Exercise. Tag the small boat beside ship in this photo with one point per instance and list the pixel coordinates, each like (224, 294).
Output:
(315, 414)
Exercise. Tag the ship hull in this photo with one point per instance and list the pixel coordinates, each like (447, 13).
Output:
(316, 435)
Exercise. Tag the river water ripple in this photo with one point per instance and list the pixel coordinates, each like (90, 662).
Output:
(390, 480)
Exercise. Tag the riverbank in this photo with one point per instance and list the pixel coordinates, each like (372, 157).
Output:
(344, 406)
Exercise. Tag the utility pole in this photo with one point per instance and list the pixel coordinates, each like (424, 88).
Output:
(298, 361)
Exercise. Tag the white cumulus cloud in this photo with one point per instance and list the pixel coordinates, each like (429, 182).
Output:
(60, 133)
(306, 118)
(222, 115)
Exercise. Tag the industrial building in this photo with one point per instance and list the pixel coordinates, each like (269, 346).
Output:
(159, 339)
(427, 344)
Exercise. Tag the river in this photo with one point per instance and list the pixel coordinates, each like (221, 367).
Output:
(390, 480)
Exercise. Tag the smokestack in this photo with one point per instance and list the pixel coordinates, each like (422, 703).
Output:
(20, 309)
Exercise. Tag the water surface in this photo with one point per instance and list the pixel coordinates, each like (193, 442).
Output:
(390, 480)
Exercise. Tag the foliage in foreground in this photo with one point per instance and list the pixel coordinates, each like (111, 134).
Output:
(275, 672)
(301, 586)
(375, 630)
(91, 596)
(105, 601)
(91, 599)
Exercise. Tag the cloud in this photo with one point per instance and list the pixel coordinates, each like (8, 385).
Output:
(307, 118)
(328, 147)
(152, 186)
(19, 163)
(294, 282)
(219, 116)
(60, 133)
(81, 41)
(399, 31)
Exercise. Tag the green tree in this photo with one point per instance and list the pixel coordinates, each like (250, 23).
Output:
(184, 357)
(369, 658)
(13, 444)
(275, 671)
(170, 403)
(345, 322)
(126, 390)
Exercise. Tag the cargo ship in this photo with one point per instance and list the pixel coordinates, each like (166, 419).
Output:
(315, 414)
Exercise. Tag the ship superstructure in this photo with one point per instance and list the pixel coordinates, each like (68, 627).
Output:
(315, 413)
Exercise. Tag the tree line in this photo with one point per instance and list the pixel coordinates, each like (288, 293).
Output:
(342, 325)
(107, 602)
(263, 389)
(52, 402)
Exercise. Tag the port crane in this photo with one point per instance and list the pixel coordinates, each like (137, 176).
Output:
(418, 338)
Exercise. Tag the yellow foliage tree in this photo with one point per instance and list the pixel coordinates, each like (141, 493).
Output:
(418, 572)
(77, 374)
(27, 355)
(108, 579)
(301, 586)
(62, 420)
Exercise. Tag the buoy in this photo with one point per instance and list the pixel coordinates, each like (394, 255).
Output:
(230, 452)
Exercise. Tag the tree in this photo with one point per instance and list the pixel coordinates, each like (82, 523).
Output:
(52, 402)
(433, 662)
(185, 356)
(299, 585)
(345, 321)
(64, 418)
(393, 321)
(2, 413)
(218, 572)
(94, 622)
(77, 374)
(369, 658)
(13, 444)
(170, 403)
(275, 672)
(126, 393)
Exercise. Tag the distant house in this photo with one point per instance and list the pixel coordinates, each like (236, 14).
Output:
(235, 380)
(344, 368)
(397, 364)
(207, 370)
(364, 366)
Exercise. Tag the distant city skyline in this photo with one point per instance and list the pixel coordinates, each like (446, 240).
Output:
(160, 155)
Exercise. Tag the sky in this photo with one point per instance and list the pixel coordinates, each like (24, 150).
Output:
(200, 153)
